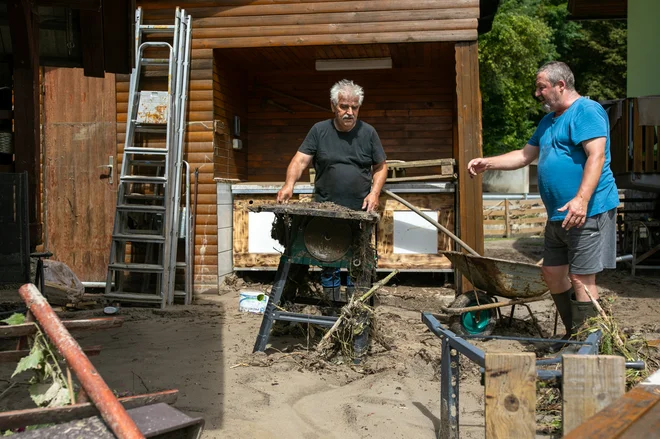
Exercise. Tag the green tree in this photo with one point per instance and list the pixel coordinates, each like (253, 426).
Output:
(509, 56)
(527, 33)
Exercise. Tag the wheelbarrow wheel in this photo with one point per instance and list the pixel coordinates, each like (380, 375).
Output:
(473, 322)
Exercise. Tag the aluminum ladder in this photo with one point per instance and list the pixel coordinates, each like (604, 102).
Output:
(147, 227)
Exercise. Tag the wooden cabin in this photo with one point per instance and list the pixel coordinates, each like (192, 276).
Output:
(258, 85)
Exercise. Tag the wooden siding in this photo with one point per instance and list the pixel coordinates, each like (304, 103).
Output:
(198, 153)
(321, 29)
(411, 106)
(229, 100)
(261, 23)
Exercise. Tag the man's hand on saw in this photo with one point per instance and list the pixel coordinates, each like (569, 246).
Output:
(284, 194)
(371, 202)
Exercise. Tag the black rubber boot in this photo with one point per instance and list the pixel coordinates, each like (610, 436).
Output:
(565, 309)
(564, 306)
(581, 311)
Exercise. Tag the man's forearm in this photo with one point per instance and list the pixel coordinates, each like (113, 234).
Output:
(293, 173)
(508, 161)
(593, 168)
(379, 178)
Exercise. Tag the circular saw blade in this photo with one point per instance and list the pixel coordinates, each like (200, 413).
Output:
(326, 239)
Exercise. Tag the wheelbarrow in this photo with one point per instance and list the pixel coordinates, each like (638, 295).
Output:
(476, 311)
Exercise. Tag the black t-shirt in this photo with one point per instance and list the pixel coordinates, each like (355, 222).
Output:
(343, 161)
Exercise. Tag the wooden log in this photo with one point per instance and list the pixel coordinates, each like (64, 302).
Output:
(332, 28)
(590, 383)
(16, 355)
(25, 329)
(510, 395)
(22, 418)
(336, 17)
(355, 38)
(259, 8)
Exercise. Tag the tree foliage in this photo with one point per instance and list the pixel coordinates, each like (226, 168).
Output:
(526, 34)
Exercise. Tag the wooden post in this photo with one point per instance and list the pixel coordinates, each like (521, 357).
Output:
(24, 30)
(590, 382)
(510, 395)
(467, 147)
(507, 224)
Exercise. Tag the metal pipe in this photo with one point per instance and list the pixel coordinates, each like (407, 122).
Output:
(111, 410)
(432, 221)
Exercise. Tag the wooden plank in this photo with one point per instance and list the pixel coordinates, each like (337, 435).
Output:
(590, 383)
(421, 163)
(510, 392)
(625, 417)
(91, 35)
(244, 8)
(353, 38)
(15, 356)
(95, 324)
(21, 418)
(335, 28)
(340, 17)
(468, 134)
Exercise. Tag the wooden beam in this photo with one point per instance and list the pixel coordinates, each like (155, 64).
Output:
(510, 395)
(631, 416)
(91, 35)
(15, 356)
(268, 7)
(336, 28)
(468, 146)
(24, 31)
(334, 39)
(13, 331)
(325, 18)
(21, 418)
(118, 35)
(590, 383)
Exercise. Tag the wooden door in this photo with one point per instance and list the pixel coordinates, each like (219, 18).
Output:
(79, 192)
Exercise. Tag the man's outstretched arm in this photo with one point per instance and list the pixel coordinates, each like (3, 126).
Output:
(505, 162)
(298, 164)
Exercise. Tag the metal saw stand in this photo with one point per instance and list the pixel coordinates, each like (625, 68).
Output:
(312, 235)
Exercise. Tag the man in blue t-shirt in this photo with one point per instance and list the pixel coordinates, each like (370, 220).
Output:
(572, 144)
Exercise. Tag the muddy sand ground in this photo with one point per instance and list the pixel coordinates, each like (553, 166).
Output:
(205, 351)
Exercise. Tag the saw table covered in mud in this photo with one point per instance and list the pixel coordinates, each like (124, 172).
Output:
(324, 235)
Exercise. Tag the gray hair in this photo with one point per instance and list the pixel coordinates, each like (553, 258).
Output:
(347, 89)
(558, 71)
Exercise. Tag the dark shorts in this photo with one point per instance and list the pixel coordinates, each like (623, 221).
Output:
(586, 250)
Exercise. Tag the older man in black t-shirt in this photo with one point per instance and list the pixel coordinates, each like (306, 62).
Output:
(347, 155)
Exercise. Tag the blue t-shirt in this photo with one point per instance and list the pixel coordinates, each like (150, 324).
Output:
(562, 158)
